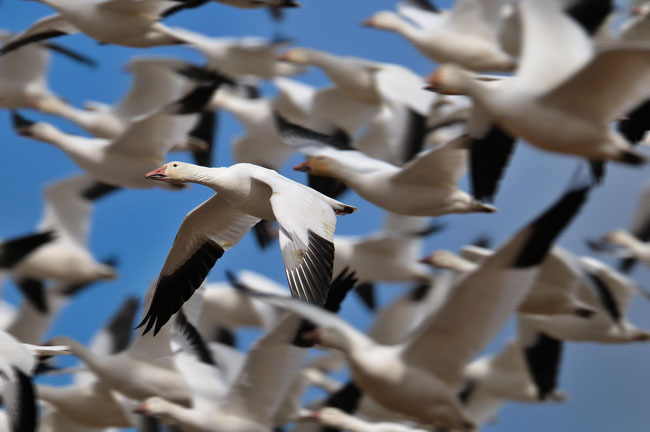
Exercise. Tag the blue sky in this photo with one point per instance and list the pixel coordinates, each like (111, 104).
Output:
(608, 385)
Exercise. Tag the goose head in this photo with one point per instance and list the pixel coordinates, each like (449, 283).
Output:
(27, 128)
(384, 20)
(154, 407)
(299, 56)
(329, 337)
(174, 172)
(448, 260)
(450, 79)
(317, 165)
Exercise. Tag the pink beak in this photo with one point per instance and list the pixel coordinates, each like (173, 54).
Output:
(425, 260)
(158, 174)
(368, 23)
(304, 167)
(282, 57)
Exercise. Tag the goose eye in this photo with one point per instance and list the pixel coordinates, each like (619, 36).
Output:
(175, 165)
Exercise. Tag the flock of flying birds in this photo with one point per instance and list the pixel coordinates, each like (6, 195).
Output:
(563, 75)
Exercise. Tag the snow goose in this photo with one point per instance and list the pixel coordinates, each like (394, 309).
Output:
(130, 23)
(17, 363)
(389, 255)
(635, 241)
(335, 418)
(366, 81)
(253, 401)
(13, 250)
(226, 306)
(66, 259)
(424, 381)
(275, 7)
(245, 194)
(555, 291)
(237, 57)
(426, 186)
(143, 370)
(156, 82)
(80, 402)
(23, 82)
(525, 370)
(140, 148)
(467, 35)
(556, 87)
(609, 293)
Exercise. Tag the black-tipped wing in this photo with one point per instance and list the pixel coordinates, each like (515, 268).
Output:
(34, 292)
(636, 123)
(71, 54)
(416, 135)
(193, 340)
(116, 334)
(20, 402)
(17, 248)
(46, 28)
(205, 234)
(606, 297)
(489, 158)
(366, 292)
(265, 233)
(474, 312)
(299, 136)
(346, 398)
(330, 187)
(590, 14)
(543, 359)
(204, 132)
(98, 190)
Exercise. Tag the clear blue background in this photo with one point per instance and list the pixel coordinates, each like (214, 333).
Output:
(608, 385)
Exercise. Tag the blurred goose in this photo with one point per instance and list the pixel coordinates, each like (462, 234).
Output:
(65, 260)
(555, 87)
(635, 242)
(555, 291)
(237, 57)
(17, 363)
(426, 186)
(78, 404)
(245, 194)
(609, 293)
(525, 370)
(335, 418)
(157, 81)
(144, 369)
(254, 401)
(132, 23)
(23, 80)
(366, 81)
(389, 255)
(142, 146)
(424, 372)
(468, 35)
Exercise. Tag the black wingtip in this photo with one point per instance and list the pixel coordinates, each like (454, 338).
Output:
(119, 326)
(548, 226)
(434, 228)
(294, 132)
(328, 186)
(98, 190)
(192, 336)
(34, 292)
(416, 135)
(196, 100)
(366, 293)
(12, 251)
(172, 290)
(339, 289)
(483, 241)
(489, 157)
(14, 45)
(204, 131)
(590, 14)
(24, 418)
(225, 336)
(73, 55)
(19, 122)
(543, 363)
(346, 399)
(265, 233)
(635, 125)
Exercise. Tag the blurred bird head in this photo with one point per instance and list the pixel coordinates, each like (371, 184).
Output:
(384, 20)
(295, 55)
(449, 79)
(317, 165)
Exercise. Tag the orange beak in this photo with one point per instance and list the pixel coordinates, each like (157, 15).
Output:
(282, 57)
(425, 260)
(368, 22)
(158, 174)
(433, 81)
(140, 409)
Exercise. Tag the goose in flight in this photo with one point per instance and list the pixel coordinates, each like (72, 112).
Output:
(122, 161)
(425, 372)
(245, 194)
(553, 101)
